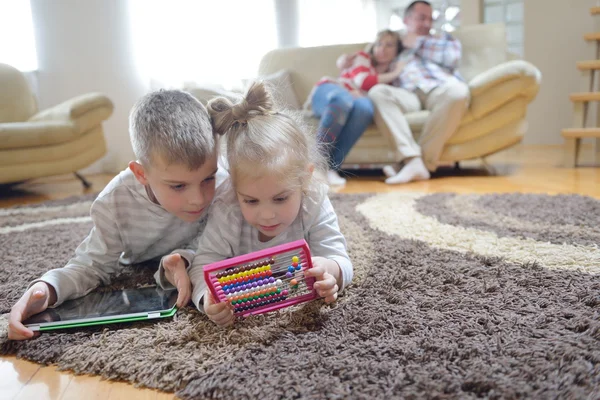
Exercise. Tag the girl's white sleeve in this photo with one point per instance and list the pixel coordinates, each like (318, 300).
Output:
(325, 238)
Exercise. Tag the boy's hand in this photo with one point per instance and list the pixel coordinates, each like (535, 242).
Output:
(326, 284)
(35, 300)
(176, 274)
(220, 313)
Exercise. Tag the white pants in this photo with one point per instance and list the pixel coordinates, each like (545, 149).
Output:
(447, 104)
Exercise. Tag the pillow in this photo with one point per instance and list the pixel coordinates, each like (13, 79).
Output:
(205, 92)
(280, 85)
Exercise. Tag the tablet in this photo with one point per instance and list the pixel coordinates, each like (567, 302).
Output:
(99, 308)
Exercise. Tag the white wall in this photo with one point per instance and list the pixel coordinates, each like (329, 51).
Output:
(554, 43)
(85, 46)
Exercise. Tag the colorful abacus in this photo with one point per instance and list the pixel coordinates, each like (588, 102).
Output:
(263, 281)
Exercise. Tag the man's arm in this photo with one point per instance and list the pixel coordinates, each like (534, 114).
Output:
(445, 50)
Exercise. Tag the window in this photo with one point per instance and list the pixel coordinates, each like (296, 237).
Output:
(326, 22)
(207, 42)
(17, 43)
(510, 12)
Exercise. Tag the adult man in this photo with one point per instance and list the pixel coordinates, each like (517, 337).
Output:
(430, 81)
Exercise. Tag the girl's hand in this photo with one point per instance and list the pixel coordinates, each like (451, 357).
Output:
(326, 284)
(219, 313)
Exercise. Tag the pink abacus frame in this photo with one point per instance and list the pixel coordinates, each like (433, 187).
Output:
(216, 288)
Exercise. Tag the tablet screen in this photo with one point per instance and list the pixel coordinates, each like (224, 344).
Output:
(108, 304)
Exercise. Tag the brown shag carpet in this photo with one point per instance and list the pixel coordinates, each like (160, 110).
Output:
(455, 296)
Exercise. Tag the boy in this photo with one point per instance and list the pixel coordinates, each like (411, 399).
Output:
(157, 206)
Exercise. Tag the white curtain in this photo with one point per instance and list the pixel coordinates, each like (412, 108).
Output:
(17, 43)
(201, 41)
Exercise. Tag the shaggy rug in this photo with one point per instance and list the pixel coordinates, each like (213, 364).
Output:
(454, 296)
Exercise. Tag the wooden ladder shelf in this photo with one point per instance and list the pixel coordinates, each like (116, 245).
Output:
(581, 103)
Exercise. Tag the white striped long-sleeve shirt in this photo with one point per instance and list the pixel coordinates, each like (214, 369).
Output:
(128, 228)
(227, 234)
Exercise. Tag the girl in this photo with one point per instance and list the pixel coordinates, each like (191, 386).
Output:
(342, 104)
(272, 197)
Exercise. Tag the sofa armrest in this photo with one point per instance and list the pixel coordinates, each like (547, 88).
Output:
(15, 135)
(502, 83)
(515, 69)
(85, 111)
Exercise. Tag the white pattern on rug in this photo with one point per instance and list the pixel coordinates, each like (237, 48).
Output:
(395, 213)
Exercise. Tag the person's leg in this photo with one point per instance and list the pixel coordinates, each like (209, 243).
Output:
(360, 117)
(390, 105)
(447, 104)
(332, 104)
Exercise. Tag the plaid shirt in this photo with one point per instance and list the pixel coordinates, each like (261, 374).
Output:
(430, 63)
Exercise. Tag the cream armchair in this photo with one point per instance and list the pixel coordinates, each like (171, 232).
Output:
(55, 141)
(500, 92)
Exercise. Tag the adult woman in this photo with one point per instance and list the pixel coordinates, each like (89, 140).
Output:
(342, 104)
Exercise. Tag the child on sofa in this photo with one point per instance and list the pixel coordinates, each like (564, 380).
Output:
(158, 205)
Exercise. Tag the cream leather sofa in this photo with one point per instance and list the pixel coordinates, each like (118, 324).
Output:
(500, 92)
(61, 139)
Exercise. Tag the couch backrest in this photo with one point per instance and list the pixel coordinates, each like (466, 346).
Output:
(17, 102)
(484, 46)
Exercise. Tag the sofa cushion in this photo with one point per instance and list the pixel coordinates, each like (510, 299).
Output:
(282, 90)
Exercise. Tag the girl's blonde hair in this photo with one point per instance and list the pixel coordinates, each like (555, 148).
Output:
(261, 141)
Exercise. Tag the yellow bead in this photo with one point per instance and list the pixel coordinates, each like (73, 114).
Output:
(295, 259)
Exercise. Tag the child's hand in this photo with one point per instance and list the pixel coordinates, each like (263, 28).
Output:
(35, 300)
(176, 274)
(219, 313)
(345, 61)
(326, 284)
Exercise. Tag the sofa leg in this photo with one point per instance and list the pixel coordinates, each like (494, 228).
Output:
(457, 166)
(85, 182)
(488, 167)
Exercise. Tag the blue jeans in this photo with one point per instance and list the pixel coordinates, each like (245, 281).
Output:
(344, 118)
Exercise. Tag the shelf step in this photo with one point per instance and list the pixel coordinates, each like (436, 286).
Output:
(587, 65)
(585, 96)
(581, 132)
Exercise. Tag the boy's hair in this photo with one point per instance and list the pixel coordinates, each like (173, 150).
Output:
(173, 125)
(262, 141)
(379, 36)
(412, 5)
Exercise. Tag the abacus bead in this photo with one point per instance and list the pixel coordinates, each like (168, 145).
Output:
(285, 292)
(271, 280)
(295, 259)
(288, 274)
(277, 282)
(298, 267)
(294, 264)
(293, 282)
(291, 269)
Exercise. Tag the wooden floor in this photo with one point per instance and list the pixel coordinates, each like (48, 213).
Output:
(527, 169)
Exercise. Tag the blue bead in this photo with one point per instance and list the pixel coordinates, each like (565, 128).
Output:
(299, 267)
(291, 268)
